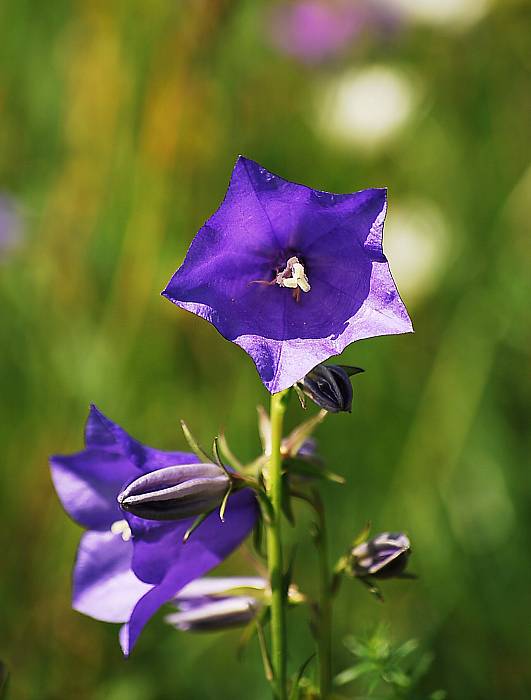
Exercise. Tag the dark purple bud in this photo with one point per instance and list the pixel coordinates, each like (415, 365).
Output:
(383, 556)
(174, 493)
(329, 387)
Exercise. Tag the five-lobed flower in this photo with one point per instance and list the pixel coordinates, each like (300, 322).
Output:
(128, 567)
(291, 274)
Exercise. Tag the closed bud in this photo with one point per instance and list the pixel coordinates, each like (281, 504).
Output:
(176, 492)
(383, 556)
(211, 604)
(329, 387)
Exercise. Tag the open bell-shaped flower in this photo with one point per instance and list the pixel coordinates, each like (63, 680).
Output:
(176, 492)
(291, 274)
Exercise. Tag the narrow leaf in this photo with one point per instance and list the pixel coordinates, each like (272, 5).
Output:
(266, 660)
(296, 687)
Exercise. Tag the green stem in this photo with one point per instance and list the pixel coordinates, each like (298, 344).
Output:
(274, 548)
(324, 641)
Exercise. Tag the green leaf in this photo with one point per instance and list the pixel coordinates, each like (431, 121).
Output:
(296, 683)
(266, 659)
(354, 672)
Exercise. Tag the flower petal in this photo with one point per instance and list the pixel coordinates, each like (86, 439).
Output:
(195, 560)
(87, 484)
(103, 433)
(158, 546)
(104, 587)
(89, 481)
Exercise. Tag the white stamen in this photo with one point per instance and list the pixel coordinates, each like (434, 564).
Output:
(293, 276)
(121, 527)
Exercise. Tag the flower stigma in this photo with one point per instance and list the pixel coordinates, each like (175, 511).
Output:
(121, 527)
(293, 277)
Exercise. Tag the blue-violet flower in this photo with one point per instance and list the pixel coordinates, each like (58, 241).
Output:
(126, 569)
(290, 274)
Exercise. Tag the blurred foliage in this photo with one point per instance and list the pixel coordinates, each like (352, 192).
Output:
(387, 671)
(120, 125)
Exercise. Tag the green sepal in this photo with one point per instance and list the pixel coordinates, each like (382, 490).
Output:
(292, 444)
(300, 396)
(351, 371)
(194, 445)
(313, 471)
(363, 535)
(223, 505)
(372, 588)
(197, 522)
(229, 454)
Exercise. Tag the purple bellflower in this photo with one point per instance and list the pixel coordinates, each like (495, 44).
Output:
(126, 569)
(291, 274)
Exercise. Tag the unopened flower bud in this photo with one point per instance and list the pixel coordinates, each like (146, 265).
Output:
(383, 556)
(211, 604)
(176, 492)
(329, 387)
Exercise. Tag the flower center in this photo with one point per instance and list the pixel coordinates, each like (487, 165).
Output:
(293, 276)
(121, 527)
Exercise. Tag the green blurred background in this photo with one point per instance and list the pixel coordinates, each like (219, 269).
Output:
(120, 123)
